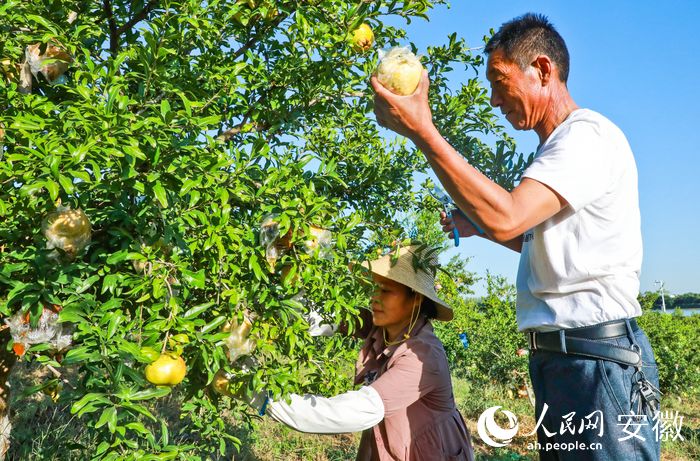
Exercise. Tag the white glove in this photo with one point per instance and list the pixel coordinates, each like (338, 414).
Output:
(316, 325)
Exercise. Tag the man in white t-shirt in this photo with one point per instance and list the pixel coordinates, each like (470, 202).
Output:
(574, 217)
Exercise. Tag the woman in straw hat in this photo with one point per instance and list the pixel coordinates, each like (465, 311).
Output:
(405, 405)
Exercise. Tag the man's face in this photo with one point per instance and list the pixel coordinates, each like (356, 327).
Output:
(515, 91)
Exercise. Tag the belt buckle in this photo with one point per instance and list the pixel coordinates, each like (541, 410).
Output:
(532, 340)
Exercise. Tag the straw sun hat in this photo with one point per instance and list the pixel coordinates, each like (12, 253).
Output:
(413, 266)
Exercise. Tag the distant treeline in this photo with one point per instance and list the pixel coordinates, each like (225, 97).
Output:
(684, 301)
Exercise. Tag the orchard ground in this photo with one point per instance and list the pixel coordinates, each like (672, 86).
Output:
(273, 441)
(46, 430)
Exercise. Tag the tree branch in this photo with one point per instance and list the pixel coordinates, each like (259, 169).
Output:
(140, 16)
(261, 32)
(261, 126)
(148, 104)
(231, 132)
(113, 31)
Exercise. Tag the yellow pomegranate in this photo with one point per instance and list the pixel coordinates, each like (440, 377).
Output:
(362, 38)
(220, 383)
(67, 229)
(399, 70)
(167, 370)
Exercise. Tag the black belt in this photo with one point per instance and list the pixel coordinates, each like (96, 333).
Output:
(585, 341)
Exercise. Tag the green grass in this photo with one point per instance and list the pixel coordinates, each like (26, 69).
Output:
(473, 399)
(45, 430)
(273, 441)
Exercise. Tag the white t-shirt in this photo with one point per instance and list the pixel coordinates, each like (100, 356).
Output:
(581, 266)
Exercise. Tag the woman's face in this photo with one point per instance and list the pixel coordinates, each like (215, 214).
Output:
(392, 304)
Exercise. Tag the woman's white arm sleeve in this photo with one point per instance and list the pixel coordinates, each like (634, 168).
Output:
(350, 412)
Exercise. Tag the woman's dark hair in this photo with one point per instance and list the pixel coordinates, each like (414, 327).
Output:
(427, 307)
(526, 36)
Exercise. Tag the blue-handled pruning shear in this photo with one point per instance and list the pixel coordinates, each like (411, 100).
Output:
(449, 206)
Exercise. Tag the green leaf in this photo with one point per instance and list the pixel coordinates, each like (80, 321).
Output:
(109, 283)
(134, 350)
(355, 220)
(8, 269)
(89, 403)
(117, 257)
(164, 437)
(102, 447)
(139, 409)
(43, 22)
(87, 283)
(148, 394)
(213, 324)
(160, 194)
(293, 303)
(140, 428)
(187, 104)
(255, 267)
(109, 417)
(188, 184)
(164, 109)
(80, 354)
(196, 310)
(18, 291)
(53, 189)
(66, 184)
(27, 391)
(28, 122)
(32, 188)
(114, 323)
(71, 314)
(195, 279)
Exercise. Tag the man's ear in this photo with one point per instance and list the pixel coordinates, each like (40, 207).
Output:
(544, 67)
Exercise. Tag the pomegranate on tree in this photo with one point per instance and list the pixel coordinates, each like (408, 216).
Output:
(68, 230)
(362, 38)
(399, 70)
(167, 370)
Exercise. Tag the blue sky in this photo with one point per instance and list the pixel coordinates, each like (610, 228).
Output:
(638, 64)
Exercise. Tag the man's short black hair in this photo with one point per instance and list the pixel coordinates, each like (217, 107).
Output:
(526, 36)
